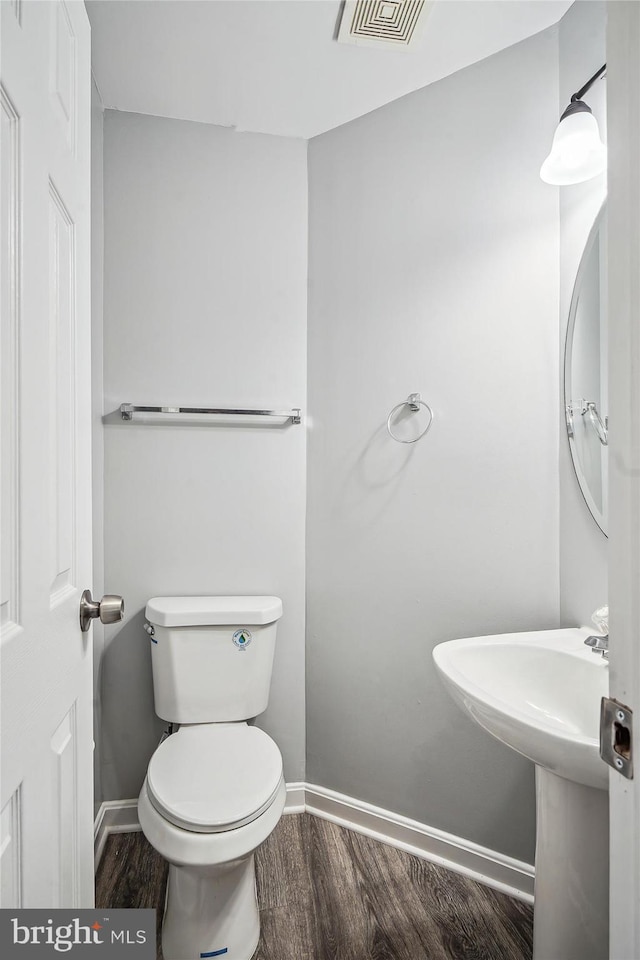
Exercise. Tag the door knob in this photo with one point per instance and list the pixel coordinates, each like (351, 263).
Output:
(110, 609)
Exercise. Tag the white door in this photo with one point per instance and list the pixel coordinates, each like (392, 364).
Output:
(45, 508)
(623, 123)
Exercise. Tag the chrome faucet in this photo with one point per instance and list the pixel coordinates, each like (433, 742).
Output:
(599, 644)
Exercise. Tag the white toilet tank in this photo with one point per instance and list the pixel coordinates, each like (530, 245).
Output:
(212, 656)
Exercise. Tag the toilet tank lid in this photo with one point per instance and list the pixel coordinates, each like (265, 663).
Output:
(211, 611)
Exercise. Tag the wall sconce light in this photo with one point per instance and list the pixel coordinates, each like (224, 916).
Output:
(577, 152)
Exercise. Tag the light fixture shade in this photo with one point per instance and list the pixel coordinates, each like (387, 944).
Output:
(577, 152)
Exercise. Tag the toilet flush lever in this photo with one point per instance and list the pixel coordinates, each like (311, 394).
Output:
(110, 609)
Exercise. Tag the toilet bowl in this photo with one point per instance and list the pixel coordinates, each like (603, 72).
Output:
(214, 789)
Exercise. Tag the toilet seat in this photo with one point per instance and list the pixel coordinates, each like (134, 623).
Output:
(214, 777)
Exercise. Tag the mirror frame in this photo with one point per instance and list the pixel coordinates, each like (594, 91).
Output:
(582, 482)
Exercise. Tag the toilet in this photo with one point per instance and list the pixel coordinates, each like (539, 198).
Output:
(214, 789)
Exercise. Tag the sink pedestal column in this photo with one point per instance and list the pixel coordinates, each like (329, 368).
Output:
(571, 912)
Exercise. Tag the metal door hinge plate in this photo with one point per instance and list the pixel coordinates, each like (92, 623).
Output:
(616, 736)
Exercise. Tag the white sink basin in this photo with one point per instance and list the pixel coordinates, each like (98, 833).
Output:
(537, 692)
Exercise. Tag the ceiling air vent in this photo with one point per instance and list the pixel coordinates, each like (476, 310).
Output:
(383, 23)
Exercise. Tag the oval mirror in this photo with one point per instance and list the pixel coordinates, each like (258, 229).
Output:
(585, 374)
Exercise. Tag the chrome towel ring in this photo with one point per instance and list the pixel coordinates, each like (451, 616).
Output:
(414, 402)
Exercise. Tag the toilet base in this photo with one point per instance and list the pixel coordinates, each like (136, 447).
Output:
(211, 912)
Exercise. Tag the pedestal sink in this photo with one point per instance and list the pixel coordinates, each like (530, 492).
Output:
(540, 693)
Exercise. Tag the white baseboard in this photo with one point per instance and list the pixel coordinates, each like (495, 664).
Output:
(496, 870)
(295, 798)
(121, 816)
(114, 816)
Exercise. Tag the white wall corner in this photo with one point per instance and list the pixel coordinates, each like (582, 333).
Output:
(295, 802)
(114, 816)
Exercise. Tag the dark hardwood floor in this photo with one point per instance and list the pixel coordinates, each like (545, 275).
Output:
(327, 893)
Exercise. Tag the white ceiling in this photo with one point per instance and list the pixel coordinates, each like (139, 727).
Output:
(273, 66)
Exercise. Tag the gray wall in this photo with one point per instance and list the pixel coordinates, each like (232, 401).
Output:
(433, 267)
(583, 547)
(205, 303)
(97, 431)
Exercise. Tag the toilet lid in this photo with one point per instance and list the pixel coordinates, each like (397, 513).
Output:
(213, 777)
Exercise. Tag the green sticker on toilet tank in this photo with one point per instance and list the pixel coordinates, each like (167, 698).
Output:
(242, 638)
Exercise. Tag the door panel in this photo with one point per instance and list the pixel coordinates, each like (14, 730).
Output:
(61, 413)
(10, 204)
(46, 804)
(10, 859)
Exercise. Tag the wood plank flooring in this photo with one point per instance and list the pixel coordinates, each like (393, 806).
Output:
(326, 893)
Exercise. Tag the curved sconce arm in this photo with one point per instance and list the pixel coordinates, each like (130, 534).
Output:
(590, 82)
